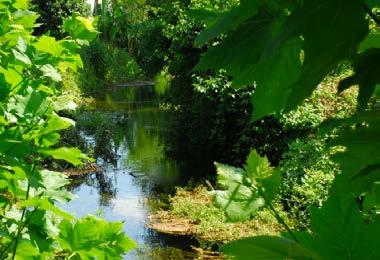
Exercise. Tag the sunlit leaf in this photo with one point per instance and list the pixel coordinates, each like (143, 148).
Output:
(71, 155)
(246, 191)
(22, 57)
(49, 45)
(26, 250)
(50, 72)
(80, 28)
(93, 237)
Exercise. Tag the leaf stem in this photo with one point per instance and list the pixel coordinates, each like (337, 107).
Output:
(10, 243)
(278, 217)
(22, 216)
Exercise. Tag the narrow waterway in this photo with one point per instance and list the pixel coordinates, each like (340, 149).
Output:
(123, 129)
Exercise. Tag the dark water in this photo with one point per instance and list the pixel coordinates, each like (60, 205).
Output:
(125, 134)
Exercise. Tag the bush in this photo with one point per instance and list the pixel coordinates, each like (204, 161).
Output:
(215, 125)
(307, 173)
(52, 14)
(323, 104)
(105, 65)
(306, 167)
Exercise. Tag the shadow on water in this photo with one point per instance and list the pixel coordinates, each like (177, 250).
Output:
(123, 131)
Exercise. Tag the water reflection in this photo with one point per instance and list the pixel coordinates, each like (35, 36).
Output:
(126, 141)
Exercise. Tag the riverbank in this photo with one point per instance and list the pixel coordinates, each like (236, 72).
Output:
(191, 212)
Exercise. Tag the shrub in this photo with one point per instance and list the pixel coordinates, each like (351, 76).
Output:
(306, 167)
(105, 65)
(307, 175)
(52, 14)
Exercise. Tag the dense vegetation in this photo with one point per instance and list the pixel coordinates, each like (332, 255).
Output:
(261, 91)
(298, 48)
(32, 227)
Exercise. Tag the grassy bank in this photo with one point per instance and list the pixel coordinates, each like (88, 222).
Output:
(192, 212)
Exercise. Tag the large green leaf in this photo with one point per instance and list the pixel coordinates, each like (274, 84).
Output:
(54, 186)
(361, 157)
(371, 41)
(32, 104)
(50, 72)
(226, 21)
(367, 76)
(265, 49)
(26, 250)
(49, 45)
(94, 238)
(12, 77)
(265, 178)
(25, 18)
(239, 199)
(21, 4)
(44, 204)
(341, 233)
(22, 57)
(338, 232)
(80, 28)
(71, 155)
(264, 247)
(246, 191)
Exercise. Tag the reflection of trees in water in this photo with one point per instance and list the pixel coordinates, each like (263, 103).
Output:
(98, 180)
(133, 129)
(106, 189)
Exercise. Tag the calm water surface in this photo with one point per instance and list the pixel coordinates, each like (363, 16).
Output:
(135, 170)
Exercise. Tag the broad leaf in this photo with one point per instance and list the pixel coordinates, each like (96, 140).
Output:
(341, 233)
(22, 57)
(266, 178)
(93, 237)
(264, 247)
(366, 67)
(361, 157)
(71, 155)
(80, 28)
(50, 72)
(246, 191)
(26, 250)
(49, 45)
(265, 48)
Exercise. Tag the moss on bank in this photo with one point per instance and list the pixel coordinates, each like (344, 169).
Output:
(192, 212)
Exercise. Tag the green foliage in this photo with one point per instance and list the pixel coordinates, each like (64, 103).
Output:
(212, 121)
(215, 124)
(162, 83)
(277, 48)
(287, 49)
(80, 28)
(195, 210)
(325, 103)
(92, 238)
(105, 65)
(248, 189)
(53, 13)
(30, 76)
(119, 21)
(339, 216)
(268, 248)
(360, 169)
(308, 172)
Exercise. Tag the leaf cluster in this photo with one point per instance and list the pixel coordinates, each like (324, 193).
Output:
(286, 48)
(30, 102)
